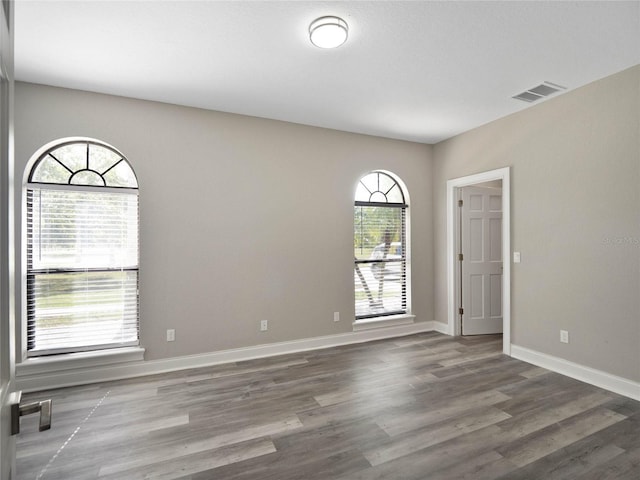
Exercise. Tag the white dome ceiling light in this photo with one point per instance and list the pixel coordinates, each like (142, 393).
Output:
(328, 32)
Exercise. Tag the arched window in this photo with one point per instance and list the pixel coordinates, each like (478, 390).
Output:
(380, 240)
(82, 249)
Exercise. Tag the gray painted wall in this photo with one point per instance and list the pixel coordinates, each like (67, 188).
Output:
(245, 218)
(242, 218)
(575, 219)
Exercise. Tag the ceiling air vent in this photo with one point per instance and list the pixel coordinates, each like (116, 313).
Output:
(541, 91)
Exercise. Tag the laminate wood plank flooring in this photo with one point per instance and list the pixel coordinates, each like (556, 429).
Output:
(424, 406)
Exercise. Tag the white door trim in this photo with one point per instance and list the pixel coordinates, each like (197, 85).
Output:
(453, 327)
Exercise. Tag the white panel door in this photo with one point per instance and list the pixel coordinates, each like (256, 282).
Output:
(481, 278)
(7, 442)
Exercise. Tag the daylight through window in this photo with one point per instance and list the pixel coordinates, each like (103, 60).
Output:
(380, 273)
(82, 250)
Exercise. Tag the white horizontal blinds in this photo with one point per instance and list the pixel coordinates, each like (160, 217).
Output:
(380, 247)
(82, 269)
(83, 229)
(380, 261)
(70, 312)
(82, 250)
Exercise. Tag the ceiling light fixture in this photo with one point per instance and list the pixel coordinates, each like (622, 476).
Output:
(328, 32)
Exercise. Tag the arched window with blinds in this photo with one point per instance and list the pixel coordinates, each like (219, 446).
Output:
(380, 244)
(82, 249)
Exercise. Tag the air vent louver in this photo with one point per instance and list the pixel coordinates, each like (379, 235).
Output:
(541, 91)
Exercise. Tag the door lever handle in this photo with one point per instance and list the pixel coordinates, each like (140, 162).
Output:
(18, 410)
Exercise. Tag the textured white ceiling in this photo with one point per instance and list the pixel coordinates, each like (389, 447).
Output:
(419, 70)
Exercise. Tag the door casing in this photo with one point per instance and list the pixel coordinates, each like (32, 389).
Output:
(453, 325)
(7, 249)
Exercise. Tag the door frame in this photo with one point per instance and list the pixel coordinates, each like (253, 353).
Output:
(7, 246)
(453, 326)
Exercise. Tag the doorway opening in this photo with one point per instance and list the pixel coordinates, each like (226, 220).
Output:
(481, 190)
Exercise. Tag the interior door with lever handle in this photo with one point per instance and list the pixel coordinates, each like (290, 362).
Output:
(20, 409)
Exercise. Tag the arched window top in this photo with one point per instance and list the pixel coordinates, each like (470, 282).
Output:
(379, 188)
(380, 246)
(83, 162)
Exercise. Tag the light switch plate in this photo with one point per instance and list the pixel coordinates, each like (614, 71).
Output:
(516, 257)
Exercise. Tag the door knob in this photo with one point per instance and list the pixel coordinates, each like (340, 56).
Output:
(19, 409)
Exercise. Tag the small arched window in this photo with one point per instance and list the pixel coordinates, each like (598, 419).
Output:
(82, 249)
(380, 241)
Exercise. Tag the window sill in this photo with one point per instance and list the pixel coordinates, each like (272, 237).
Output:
(74, 361)
(382, 322)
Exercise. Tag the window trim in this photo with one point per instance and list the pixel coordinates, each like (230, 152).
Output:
(397, 317)
(383, 321)
(52, 364)
(95, 355)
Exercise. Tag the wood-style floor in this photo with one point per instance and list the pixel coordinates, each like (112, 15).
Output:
(426, 406)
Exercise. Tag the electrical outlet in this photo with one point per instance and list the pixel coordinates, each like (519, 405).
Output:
(564, 336)
(336, 316)
(171, 335)
(264, 325)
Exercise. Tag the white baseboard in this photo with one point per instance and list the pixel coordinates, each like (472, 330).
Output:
(36, 381)
(441, 328)
(613, 383)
